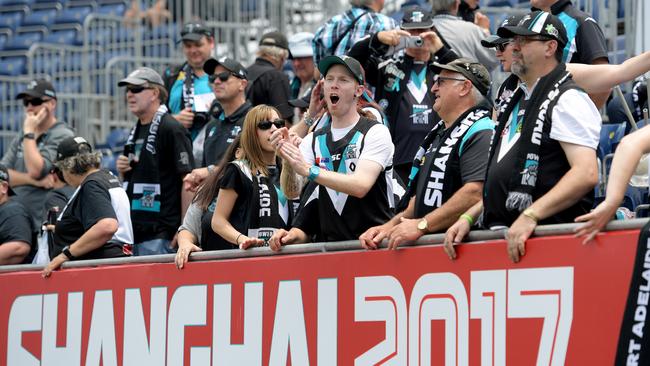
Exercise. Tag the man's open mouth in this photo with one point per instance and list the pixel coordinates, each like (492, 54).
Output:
(334, 98)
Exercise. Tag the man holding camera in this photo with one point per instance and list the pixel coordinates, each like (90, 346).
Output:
(190, 95)
(403, 80)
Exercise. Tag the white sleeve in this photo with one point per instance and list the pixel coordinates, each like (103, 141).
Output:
(378, 146)
(306, 150)
(576, 120)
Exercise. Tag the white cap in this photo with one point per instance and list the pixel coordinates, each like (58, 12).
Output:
(300, 44)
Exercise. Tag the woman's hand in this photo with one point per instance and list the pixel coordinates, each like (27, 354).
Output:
(595, 221)
(183, 253)
(54, 264)
(245, 242)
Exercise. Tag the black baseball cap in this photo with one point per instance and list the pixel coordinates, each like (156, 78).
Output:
(350, 63)
(416, 18)
(302, 102)
(229, 64)
(474, 71)
(72, 146)
(537, 23)
(194, 31)
(494, 39)
(4, 176)
(276, 39)
(38, 88)
(142, 76)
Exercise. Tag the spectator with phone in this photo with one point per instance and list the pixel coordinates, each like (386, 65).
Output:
(403, 80)
(32, 153)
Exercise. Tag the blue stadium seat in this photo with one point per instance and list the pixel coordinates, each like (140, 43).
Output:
(44, 17)
(117, 9)
(68, 85)
(46, 65)
(116, 139)
(610, 135)
(13, 66)
(23, 41)
(635, 196)
(73, 15)
(16, 2)
(11, 19)
(3, 40)
(64, 36)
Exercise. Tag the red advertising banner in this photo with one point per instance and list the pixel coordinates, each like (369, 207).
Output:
(562, 304)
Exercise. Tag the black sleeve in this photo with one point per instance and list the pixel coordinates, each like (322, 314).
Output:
(445, 55)
(178, 141)
(16, 225)
(474, 156)
(368, 52)
(307, 217)
(233, 179)
(278, 92)
(94, 204)
(590, 43)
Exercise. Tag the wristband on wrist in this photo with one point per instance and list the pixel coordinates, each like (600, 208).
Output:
(66, 252)
(530, 214)
(469, 219)
(29, 136)
(237, 240)
(210, 168)
(309, 121)
(314, 171)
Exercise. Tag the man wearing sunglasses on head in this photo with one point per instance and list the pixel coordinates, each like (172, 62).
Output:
(32, 153)
(228, 80)
(157, 155)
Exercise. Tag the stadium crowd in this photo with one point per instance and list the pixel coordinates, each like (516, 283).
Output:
(386, 132)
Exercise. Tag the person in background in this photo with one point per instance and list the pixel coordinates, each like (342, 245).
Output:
(96, 222)
(196, 234)
(17, 233)
(267, 84)
(31, 154)
(302, 62)
(229, 80)
(188, 87)
(157, 156)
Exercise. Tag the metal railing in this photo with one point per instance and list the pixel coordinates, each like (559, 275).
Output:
(474, 238)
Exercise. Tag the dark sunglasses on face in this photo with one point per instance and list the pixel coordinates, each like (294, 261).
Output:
(265, 125)
(222, 76)
(35, 102)
(136, 89)
(502, 47)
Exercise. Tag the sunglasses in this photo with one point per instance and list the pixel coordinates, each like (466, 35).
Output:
(265, 125)
(501, 47)
(136, 89)
(222, 76)
(35, 102)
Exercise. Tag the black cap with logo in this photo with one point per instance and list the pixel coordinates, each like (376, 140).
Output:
(416, 18)
(194, 31)
(229, 64)
(72, 146)
(537, 23)
(494, 40)
(350, 63)
(38, 88)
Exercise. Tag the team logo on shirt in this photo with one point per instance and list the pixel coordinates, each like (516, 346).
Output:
(529, 174)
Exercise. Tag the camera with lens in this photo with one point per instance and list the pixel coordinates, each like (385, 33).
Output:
(200, 118)
(406, 42)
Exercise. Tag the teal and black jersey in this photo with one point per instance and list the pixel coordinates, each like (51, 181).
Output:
(341, 216)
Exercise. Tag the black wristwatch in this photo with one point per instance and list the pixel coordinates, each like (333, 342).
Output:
(29, 136)
(66, 252)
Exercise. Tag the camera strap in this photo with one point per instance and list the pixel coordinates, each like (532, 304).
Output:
(188, 87)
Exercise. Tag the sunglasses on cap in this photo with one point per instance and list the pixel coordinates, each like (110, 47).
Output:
(222, 76)
(134, 89)
(35, 101)
(265, 125)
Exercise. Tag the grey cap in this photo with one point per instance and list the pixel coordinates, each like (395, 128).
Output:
(142, 76)
(472, 70)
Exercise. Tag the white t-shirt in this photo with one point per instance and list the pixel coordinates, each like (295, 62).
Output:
(575, 120)
(378, 146)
